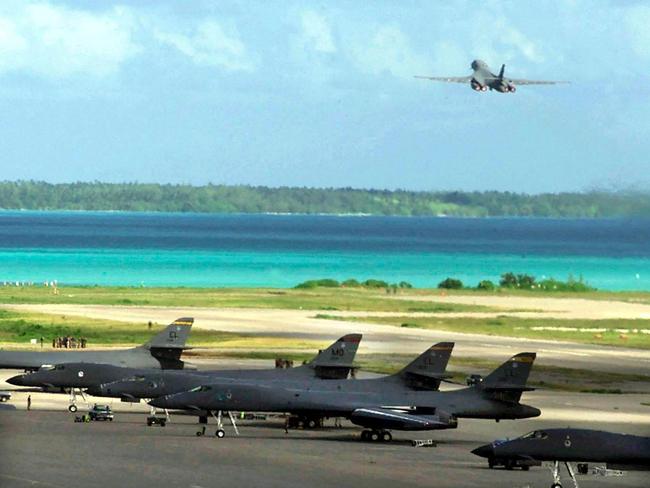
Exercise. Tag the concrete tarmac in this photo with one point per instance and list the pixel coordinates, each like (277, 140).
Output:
(48, 449)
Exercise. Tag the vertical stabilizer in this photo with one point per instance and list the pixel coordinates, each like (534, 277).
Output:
(174, 336)
(336, 361)
(427, 371)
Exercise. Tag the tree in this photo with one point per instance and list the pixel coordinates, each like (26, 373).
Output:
(451, 284)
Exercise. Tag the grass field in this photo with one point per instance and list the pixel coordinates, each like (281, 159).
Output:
(18, 328)
(357, 299)
(613, 332)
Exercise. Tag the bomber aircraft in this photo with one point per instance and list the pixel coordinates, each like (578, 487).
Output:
(378, 404)
(163, 351)
(132, 384)
(483, 79)
(617, 451)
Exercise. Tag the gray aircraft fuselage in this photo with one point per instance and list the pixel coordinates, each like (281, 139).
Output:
(135, 383)
(574, 445)
(163, 351)
(137, 357)
(343, 398)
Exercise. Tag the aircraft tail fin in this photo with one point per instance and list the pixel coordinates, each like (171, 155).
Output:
(508, 381)
(335, 362)
(427, 371)
(501, 73)
(174, 336)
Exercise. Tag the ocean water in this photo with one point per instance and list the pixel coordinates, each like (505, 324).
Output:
(157, 249)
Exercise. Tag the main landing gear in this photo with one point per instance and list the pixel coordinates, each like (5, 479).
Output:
(556, 475)
(376, 436)
(296, 421)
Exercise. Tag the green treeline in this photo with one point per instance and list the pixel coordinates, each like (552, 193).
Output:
(35, 195)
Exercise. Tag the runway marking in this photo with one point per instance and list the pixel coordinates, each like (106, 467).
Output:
(31, 482)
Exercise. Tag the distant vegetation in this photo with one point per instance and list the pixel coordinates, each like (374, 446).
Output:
(523, 282)
(352, 283)
(35, 195)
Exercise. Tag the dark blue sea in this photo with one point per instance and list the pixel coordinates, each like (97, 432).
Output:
(114, 248)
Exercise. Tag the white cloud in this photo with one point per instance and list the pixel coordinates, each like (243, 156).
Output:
(58, 42)
(389, 50)
(209, 45)
(317, 30)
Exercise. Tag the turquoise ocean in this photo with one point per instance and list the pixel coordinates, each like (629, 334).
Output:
(185, 249)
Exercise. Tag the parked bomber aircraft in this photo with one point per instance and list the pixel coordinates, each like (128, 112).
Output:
(617, 451)
(482, 79)
(163, 351)
(425, 372)
(134, 383)
(378, 404)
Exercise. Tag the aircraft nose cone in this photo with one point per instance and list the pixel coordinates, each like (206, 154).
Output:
(17, 380)
(485, 451)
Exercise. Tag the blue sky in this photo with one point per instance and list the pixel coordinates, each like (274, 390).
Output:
(322, 94)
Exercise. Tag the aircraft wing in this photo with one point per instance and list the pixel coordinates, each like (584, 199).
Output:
(537, 82)
(447, 79)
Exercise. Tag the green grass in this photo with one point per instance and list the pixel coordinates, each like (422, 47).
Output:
(313, 299)
(507, 326)
(19, 328)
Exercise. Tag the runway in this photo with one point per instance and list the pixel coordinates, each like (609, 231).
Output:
(377, 338)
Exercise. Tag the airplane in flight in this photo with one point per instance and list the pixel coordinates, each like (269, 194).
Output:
(133, 384)
(483, 79)
(378, 404)
(617, 451)
(163, 351)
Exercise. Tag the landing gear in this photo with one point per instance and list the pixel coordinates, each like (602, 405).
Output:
(220, 433)
(555, 470)
(295, 421)
(72, 408)
(376, 436)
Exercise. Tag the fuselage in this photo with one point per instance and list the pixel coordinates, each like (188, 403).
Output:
(137, 357)
(574, 445)
(483, 79)
(344, 397)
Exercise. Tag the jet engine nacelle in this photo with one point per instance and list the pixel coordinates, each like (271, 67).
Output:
(476, 85)
(384, 418)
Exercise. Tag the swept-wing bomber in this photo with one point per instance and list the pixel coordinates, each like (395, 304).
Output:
(378, 404)
(617, 451)
(483, 79)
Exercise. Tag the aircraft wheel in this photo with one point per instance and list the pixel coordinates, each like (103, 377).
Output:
(556, 485)
(490, 463)
(199, 433)
(375, 436)
(311, 423)
(220, 434)
(386, 436)
(72, 408)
